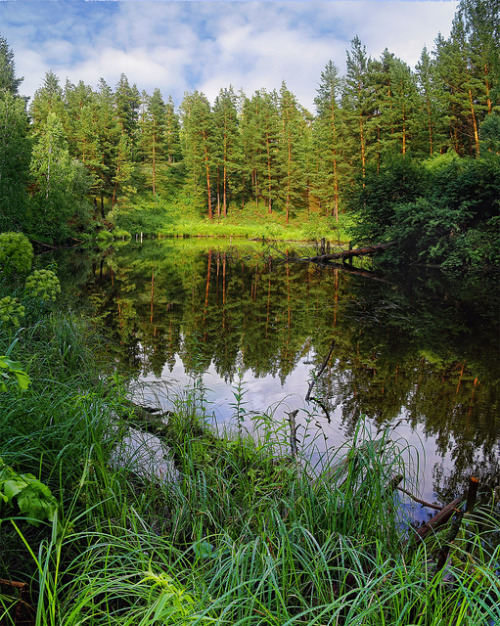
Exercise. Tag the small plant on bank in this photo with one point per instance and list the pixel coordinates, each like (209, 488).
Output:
(42, 285)
(16, 253)
(11, 310)
(26, 494)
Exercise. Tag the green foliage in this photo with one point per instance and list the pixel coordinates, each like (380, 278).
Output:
(16, 253)
(27, 494)
(490, 133)
(15, 152)
(59, 206)
(11, 310)
(398, 180)
(42, 285)
(442, 211)
(106, 237)
(11, 371)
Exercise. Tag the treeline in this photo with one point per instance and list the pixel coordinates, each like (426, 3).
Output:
(74, 142)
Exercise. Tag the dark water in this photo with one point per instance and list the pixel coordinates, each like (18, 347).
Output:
(419, 352)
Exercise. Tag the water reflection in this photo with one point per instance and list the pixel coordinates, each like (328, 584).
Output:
(417, 350)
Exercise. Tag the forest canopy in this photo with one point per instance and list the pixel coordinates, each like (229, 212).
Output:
(410, 155)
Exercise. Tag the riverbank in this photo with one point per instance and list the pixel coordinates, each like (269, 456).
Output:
(179, 217)
(240, 534)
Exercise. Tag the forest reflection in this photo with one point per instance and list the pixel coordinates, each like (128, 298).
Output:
(414, 347)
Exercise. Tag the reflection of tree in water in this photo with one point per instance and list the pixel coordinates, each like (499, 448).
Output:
(431, 358)
(421, 347)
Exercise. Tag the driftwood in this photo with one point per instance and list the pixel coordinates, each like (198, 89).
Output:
(439, 519)
(349, 254)
(469, 507)
(415, 499)
(357, 272)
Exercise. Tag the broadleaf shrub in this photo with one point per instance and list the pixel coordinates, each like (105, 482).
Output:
(43, 285)
(16, 253)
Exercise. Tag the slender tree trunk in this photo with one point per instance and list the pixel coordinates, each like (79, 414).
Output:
(362, 139)
(224, 191)
(224, 174)
(335, 176)
(289, 174)
(207, 168)
(152, 294)
(429, 118)
(154, 165)
(474, 123)
(269, 172)
(218, 192)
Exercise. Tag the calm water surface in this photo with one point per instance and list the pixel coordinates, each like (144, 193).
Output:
(418, 353)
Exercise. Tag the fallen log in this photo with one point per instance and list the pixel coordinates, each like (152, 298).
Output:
(438, 520)
(349, 254)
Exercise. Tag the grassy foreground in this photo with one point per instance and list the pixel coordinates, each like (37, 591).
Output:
(242, 535)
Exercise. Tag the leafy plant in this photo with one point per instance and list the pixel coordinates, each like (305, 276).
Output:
(11, 310)
(29, 495)
(43, 285)
(10, 369)
(16, 253)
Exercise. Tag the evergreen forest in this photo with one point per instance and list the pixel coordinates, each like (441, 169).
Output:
(390, 154)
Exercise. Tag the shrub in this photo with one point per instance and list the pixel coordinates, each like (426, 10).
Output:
(11, 310)
(43, 285)
(16, 253)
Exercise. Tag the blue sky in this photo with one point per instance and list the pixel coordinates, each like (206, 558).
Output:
(184, 45)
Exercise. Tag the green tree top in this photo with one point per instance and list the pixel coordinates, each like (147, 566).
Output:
(8, 80)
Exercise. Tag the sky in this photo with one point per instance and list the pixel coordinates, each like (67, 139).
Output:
(183, 45)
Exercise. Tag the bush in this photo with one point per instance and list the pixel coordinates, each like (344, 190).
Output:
(16, 253)
(43, 285)
(11, 310)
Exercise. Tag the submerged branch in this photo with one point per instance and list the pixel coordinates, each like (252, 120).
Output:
(314, 380)
(323, 259)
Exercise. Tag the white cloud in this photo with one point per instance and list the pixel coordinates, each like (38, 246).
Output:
(204, 45)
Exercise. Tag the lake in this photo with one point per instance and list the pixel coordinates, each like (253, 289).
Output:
(416, 352)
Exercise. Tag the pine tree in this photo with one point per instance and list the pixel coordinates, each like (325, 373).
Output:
(358, 102)
(431, 122)
(291, 145)
(328, 140)
(173, 150)
(404, 106)
(48, 99)
(15, 145)
(481, 20)
(8, 81)
(15, 154)
(468, 67)
(127, 102)
(227, 144)
(124, 170)
(260, 136)
(108, 132)
(152, 125)
(197, 138)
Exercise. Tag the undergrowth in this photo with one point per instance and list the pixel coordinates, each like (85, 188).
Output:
(178, 217)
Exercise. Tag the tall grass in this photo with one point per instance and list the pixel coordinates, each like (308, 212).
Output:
(246, 535)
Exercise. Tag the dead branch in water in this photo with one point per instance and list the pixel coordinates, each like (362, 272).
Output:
(349, 254)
